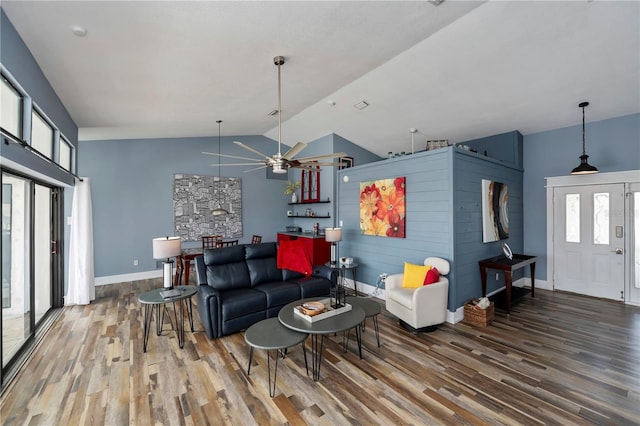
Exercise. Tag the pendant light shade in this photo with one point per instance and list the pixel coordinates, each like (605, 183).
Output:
(584, 168)
(219, 211)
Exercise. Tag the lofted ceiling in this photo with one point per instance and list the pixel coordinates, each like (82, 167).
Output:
(461, 70)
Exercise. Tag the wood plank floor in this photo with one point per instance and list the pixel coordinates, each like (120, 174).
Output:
(559, 359)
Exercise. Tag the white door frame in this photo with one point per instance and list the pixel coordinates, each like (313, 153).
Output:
(626, 177)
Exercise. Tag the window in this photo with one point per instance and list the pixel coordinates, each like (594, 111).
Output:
(601, 218)
(11, 111)
(65, 154)
(572, 217)
(41, 135)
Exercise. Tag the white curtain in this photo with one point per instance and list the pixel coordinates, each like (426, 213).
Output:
(82, 288)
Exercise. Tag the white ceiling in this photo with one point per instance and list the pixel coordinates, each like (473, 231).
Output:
(457, 71)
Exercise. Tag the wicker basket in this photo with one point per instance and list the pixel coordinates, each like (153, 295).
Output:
(475, 315)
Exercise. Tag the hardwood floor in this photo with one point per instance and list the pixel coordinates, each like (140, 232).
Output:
(559, 359)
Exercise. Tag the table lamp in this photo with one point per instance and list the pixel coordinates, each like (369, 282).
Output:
(166, 248)
(333, 235)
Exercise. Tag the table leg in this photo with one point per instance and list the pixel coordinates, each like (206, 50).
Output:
(483, 280)
(359, 337)
(148, 313)
(190, 313)
(250, 358)
(507, 280)
(375, 325)
(317, 347)
(533, 278)
(272, 389)
(355, 283)
(159, 319)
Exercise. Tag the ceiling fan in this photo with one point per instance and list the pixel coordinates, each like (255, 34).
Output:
(279, 162)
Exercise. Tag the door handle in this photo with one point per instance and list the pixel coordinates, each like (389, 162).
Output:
(54, 247)
(617, 251)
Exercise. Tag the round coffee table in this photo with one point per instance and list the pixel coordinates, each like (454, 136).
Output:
(153, 300)
(371, 310)
(318, 329)
(270, 334)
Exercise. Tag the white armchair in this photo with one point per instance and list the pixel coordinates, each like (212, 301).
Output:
(422, 308)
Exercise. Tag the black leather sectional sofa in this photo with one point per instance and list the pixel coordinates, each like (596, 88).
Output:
(241, 285)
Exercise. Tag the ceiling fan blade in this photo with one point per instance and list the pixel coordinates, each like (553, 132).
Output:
(240, 164)
(255, 151)
(322, 157)
(231, 156)
(294, 150)
(256, 168)
(313, 166)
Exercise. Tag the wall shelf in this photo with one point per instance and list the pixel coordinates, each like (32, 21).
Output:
(309, 202)
(309, 217)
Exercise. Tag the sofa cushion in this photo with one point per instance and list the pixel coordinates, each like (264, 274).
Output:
(226, 268)
(261, 263)
(403, 296)
(313, 286)
(279, 293)
(241, 302)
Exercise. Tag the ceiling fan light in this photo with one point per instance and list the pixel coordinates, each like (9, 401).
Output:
(278, 168)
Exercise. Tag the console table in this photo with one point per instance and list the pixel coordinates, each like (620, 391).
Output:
(508, 266)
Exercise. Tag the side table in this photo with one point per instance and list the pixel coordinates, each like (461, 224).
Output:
(270, 334)
(342, 268)
(508, 266)
(371, 310)
(153, 301)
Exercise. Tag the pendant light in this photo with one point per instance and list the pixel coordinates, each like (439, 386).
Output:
(584, 168)
(219, 211)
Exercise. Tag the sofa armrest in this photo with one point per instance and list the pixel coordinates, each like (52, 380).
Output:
(325, 272)
(201, 270)
(393, 281)
(209, 308)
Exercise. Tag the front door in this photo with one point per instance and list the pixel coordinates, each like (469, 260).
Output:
(588, 240)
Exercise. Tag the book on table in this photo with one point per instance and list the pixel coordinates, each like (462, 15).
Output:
(168, 294)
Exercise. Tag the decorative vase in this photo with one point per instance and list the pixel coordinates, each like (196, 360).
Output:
(294, 197)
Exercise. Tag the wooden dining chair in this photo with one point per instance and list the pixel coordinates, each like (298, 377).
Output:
(210, 241)
(227, 243)
(256, 239)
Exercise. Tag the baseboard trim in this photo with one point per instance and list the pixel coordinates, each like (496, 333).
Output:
(115, 279)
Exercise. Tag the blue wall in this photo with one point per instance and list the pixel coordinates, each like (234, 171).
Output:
(469, 170)
(132, 183)
(612, 145)
(428, 214)
(18, 61)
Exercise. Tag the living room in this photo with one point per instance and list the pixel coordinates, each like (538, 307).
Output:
(131, 178)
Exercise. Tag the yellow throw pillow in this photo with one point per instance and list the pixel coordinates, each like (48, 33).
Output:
(414, 275)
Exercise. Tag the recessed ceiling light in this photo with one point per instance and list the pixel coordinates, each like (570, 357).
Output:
(79, 31)
(436, 2)
(361, 105)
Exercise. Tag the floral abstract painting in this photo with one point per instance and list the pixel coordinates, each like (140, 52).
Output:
(382, 207)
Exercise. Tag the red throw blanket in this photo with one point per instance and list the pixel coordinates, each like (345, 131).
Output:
(292, 255)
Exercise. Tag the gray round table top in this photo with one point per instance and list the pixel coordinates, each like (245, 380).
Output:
(370, 307)
(153, 297)
(271, 334)
(335, 324)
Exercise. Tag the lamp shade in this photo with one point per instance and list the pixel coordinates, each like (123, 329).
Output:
(166, 247)
(333, 235)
